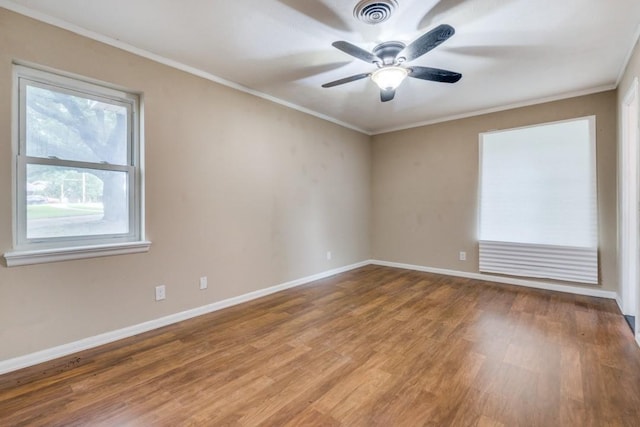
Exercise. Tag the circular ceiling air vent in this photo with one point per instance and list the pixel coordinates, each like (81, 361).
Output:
(374, 12)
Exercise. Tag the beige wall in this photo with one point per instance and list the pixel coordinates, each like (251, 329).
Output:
(253, 194)
(245, 191)
(632, 72)
(425, 185)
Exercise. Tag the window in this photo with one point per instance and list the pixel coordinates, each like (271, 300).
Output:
(538, 205)
(77, 169)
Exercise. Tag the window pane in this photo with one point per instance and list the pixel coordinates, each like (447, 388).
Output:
(74, 128)
(64, 202)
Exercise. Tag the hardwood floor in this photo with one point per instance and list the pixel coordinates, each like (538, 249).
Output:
(375, 346)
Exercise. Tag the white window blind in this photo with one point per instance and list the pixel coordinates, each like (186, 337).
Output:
(538, 202)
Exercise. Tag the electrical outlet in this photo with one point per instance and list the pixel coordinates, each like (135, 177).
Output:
(160, 293)
(463, 256)
(328, 255)
(203, 282)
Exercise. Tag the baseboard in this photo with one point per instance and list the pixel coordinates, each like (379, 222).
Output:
(25, 361)
(506, 280)
(619, 302)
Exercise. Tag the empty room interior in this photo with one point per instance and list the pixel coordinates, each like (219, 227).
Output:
(291, 212)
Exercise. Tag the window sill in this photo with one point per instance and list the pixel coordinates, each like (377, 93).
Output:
(17, 258)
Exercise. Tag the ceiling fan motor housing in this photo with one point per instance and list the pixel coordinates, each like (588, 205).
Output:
(388, 51)
(374, 11)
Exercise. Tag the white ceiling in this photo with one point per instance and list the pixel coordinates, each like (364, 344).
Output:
(510, 52)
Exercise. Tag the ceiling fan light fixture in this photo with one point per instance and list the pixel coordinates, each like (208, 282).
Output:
(388, 78)
(391, 55)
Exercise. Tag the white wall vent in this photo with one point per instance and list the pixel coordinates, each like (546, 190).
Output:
(374, 11)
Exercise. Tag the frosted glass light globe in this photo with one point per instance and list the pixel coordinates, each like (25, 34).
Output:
(388, 78)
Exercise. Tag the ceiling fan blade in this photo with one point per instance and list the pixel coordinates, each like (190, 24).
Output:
(434, 74)
(356, 52)
(387, 94)
(426, 42)
(347, 80)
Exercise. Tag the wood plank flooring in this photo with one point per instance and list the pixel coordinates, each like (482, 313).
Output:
(375, 346)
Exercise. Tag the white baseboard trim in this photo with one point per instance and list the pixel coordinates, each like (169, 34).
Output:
(25, 361)
(42, 356)
(619, 302)
(506, 280)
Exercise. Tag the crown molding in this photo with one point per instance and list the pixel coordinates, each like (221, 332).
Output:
(566, 95)
(627, 59)
(56, 22)
(22, 10)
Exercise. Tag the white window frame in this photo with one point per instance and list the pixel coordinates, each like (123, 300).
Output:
(39, 250)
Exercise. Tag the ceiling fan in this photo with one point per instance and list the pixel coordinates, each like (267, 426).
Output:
(390, 56)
